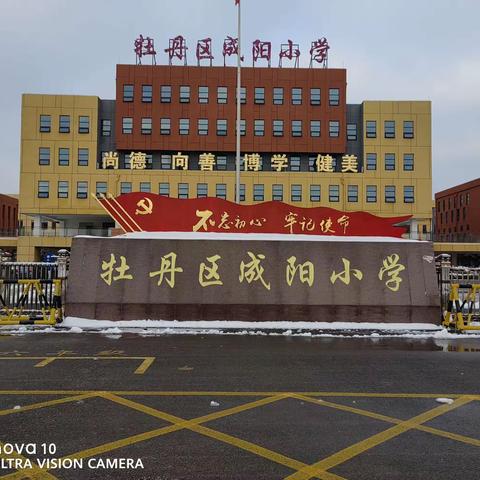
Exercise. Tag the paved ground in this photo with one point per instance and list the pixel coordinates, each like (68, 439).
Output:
(285, 407)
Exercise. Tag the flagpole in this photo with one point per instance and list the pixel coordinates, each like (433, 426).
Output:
(237, 161)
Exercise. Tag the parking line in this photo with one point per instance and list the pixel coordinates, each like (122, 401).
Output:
(144, 365)
(45, 362)
(375, 440)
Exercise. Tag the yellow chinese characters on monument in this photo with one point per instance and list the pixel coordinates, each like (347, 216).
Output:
(110, 160)
(306, 271)
(392, 268)
(109, 267)
(180, 162)
(279, 162)
(253, 271)
(138, 161)
(208, 274)
(344, 276)
(253, 162)
(168, 269)
(206, 161)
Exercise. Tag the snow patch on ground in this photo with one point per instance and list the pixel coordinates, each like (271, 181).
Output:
(448, 401)
(252, 236)
(76, 329)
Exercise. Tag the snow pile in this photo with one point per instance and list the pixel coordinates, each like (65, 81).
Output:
(213, 403)
(448, 401)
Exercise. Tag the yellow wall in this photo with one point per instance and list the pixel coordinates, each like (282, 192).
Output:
(55, 105)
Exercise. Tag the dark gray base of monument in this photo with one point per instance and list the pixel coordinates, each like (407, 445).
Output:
(352, 281)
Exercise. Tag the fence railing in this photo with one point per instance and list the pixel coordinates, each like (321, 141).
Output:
(63, 232)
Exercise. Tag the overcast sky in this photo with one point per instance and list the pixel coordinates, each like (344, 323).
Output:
(392, 50)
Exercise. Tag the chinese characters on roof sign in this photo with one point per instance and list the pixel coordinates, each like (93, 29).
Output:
(149, 212)
(261, 49)
(251, 162)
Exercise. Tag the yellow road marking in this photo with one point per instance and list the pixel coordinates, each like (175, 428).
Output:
(144, 365)
(146, 361)
(146, 393)
(375, 440)
(48, 403)
(45, 362)
(385, 418)
(194, 426)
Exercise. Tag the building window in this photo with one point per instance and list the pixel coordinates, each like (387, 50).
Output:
(203, 126)
(389, 161)
(371, 129)
(333, 128)
(371, 193)
(165, 126)
(315, 96)
(128, 93)
(294, 163)
(389, 126)
(222, 94)
(221, 162)
(147, 92)
(106, 128)
(62, 189)
(333, 97)
(145, 187)
(408, 194)
(183, 190)
(243, 127)
(64, 125)
(351, 131)
(184, 94)
(243, 95)
(259, 95)
(45, 123)
(371, 161)
(43, 189)
(389, 193)
(101, 188)
(312, 164)
(296, 193)
(408, 162)
(221, 190)
(296, 128)
(277, 192)
(334, 193)
(352, 193)
(259, 128)
(202, 94)
(127, 125)
(125, 187)
(202, 190)
(44, 156)
(82, 189)
(315, 193)
(242, 192)
(183, 126)
(63, 157)
(258, 192)
(278, 96)
(278, 128)
(164, 189)
(165, 94)
(165, 162)
(296, 96)
(83, 157)
(408, 129)
(146, 126)
(221, 127)
(83, 124)
(315, 128)
(126, 160)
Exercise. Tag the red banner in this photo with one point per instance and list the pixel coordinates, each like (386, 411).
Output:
(149, 212)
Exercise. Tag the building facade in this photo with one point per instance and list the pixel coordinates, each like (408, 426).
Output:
(457, 213)
(171, 130)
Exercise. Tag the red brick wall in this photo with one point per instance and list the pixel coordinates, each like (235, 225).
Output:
(464, 202)
(226, 76)
(8, 214)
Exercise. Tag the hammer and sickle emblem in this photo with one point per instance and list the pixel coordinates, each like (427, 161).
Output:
(146, 205)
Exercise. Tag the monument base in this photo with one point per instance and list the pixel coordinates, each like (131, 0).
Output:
(252, 278)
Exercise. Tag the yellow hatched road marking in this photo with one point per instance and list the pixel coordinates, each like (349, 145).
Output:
(173, 393)
(375, 440)
(144, 365)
